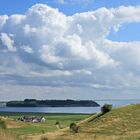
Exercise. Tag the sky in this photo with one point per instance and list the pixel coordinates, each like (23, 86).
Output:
(69, 49)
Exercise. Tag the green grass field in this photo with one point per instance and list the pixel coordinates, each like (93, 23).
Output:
(25, 128)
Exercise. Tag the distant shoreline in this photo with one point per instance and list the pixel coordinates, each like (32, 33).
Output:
(52, 103)
(40, 113)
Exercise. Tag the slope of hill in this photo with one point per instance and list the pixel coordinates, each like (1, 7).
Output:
(7, 136)
(8, 123)
(119, 124)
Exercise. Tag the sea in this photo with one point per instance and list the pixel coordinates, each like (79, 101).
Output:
(74, 110)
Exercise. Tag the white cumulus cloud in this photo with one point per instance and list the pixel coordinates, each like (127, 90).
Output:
(7, 41)
(69, 50)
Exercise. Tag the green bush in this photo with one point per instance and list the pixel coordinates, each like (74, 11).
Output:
(106, 108)
(57, 124)
(74, 127)
(44, 138)
(43, 131)
(2, 124)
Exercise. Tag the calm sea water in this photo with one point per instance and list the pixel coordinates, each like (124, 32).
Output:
(84, 110)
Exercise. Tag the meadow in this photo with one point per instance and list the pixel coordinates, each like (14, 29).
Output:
(21, 129)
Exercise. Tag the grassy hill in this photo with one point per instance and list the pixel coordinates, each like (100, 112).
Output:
(7, 136)
(119, 124)
(6, 123)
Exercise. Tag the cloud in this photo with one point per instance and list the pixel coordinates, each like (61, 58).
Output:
(8, 42)
(3, 20)
(46, 47)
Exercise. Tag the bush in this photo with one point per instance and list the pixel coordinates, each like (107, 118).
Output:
(44, 138)
(43, 131)
(57, 124)
(2, 124)
(74, 127)
(106, 108)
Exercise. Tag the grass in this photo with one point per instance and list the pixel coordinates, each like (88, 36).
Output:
(119, 124)
(6, 136)
(21, 128)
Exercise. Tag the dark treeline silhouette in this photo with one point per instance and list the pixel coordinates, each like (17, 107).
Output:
(51, 103)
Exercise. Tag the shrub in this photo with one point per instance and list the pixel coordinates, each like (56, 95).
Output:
(106, 108)
(43, 131)
(2, 124)
(44, 138)
(57, 124)
(74, 127)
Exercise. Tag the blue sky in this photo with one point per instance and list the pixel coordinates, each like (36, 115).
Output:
(16, 6)
(72, 7)
(89, 47)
